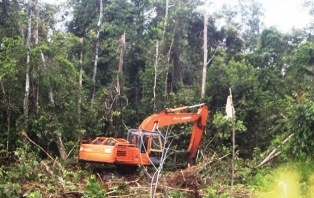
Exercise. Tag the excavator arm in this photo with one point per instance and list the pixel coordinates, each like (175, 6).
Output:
(176, 116)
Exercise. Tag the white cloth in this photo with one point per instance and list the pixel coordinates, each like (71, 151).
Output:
(229, 107)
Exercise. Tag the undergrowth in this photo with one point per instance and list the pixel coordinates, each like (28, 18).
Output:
(293, 179)
(32, 177)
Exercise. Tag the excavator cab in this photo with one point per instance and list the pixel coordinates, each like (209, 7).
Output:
(148, 142)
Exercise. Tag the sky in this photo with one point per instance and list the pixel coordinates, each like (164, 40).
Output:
(283, 14)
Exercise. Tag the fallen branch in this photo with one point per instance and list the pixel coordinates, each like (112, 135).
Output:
(135, 181)
(111, 192)
(102, 182)
(72, 149)
(182, 175)
(29, 139)
(46, 168)
(224, 156)
(274, 152)
(25, 135)
(74, 192)
(180, 189)
(122, 196)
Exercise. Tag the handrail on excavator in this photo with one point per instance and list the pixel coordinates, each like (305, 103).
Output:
(183, 108)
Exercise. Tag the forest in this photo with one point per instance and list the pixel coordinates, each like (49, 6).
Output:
(84, 69)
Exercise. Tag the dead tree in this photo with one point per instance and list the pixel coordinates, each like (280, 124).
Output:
(28, 46)
(96, 50)
(204, 71)
(120, 68)
(80, 83)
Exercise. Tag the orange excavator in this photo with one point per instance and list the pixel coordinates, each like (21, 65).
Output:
(144, 145)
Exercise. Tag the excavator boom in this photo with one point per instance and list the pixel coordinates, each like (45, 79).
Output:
(175, 116)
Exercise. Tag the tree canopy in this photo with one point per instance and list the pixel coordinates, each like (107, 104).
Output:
(150, 57)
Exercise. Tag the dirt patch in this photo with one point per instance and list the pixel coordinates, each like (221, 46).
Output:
(188, 178)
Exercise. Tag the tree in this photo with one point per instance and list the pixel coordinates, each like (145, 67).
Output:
(205, 63)
(251, 13)
(233, 42)
(28, 46)
(301, 124)
(301, 69)
(10, 22)
(97, 48)
(11, 53)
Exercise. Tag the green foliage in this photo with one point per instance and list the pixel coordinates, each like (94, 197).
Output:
(176, 194)
(294, 178)
(32, 177)
(34, 194)
(94, 189)
(270, 74)
(301, 123)
(234, 43)
(10, 190)
(224, 126)
(9, 11)
(300, 74)
(211, 192)
(10, 51)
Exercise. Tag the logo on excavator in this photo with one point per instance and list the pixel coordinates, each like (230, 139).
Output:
(182, 118)
(85, 149)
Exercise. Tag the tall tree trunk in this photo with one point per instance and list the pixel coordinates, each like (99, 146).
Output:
(122, 41)
(162, 40)
(63, 154)
(96, 51)
(28, 46)
(120, 69)
(155, 76)
(166, 19)
(36, 45)
(80, 82)
(205, 57)
(43, 60)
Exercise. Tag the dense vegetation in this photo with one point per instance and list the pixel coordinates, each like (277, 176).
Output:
(80, 70)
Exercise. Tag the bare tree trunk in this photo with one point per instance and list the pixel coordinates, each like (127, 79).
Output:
(28, 46)
(155, 77)
(44, 65)
(96, 51)
(122, 41)
(36, 44)
(60, 145)
(168, 54)
(166, 19)
(50, 95)
(80, 82)
(120, 69)
(205, 57)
